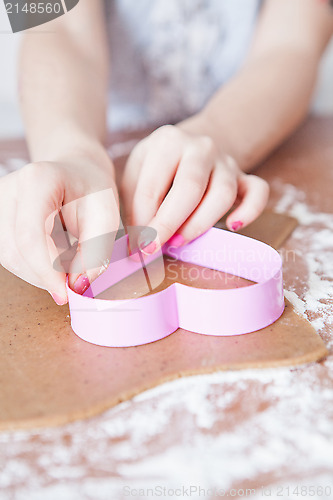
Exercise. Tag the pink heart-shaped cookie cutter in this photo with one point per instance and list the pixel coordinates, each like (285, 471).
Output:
(132, 322)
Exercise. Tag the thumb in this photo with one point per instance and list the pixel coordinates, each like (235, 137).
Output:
(97, 217)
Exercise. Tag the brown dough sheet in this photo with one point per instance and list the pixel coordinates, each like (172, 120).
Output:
(48, 376)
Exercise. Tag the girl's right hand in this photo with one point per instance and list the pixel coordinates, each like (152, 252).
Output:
(30, 200)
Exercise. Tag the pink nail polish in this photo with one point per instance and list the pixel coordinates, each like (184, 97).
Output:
(81, 284)
(148, 249)
(236, 225)
(58, 300)
(176, 241)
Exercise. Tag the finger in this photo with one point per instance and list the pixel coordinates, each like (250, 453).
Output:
(10, 257)
(218, 199)
(156, 177)
(253, 193)
(130, 178)
(98, 221)
(35, 203)
(187, 190)
(150, 172)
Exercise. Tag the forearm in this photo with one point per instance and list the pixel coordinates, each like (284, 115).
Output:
(63, 92)
(270, 96)
(260, 107)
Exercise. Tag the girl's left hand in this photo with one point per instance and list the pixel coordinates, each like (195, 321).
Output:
(180, 185)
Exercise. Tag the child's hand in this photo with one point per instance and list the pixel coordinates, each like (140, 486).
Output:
(180, 185)
(30, 199)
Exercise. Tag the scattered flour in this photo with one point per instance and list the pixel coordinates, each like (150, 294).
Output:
(314, 239)
(299, 305)
(161, 438)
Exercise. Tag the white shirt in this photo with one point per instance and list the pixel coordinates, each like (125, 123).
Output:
(169, 56)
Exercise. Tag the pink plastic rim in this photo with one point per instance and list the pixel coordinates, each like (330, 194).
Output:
(133, 322)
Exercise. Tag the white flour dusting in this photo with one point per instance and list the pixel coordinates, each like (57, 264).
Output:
(135, 444)
(298, 304)
(314, 239)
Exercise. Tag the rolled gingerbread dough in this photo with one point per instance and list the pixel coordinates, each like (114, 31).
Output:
(48, 376)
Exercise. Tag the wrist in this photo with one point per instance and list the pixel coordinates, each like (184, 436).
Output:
(89, 152)
(78, 149)
(62, 139)
(196, 125)
(203, 124)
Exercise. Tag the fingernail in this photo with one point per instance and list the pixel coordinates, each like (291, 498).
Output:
(148, 248)
(236, 225)
(58, 300)
(147, 241)
(81, 284)
(176, 241)
(104, 267)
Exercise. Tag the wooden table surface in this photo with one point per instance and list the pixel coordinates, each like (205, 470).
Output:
(270, 431)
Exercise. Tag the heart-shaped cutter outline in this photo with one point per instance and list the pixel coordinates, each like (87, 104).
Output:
(221, 312)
